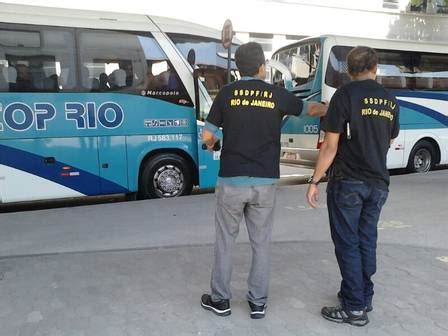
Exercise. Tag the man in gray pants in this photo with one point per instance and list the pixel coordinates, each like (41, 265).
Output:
(250, 112)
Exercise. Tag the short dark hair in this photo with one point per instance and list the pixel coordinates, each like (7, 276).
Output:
(248, 58)
(360, 59)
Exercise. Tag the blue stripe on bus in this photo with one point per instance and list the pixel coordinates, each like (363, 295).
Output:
(425, 110)
(85, 183)
(421, 94)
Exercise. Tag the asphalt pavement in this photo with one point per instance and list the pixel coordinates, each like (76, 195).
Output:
(139, 268)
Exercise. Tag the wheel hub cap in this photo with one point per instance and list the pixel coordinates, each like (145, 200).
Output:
(422, 160)
(168, 180)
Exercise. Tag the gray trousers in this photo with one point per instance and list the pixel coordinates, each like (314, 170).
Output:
(256, 205)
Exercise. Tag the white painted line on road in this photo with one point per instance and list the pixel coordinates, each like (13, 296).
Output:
(292, 175)
(305, 207)
(298, 208)
(393, 224)
(443, 259)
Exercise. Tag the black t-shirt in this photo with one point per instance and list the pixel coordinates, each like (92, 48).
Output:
(372, 114)
(250, 113)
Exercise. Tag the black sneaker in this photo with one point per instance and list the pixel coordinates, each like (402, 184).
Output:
(257, 312)
(369, 307)
(339, 315)
(220, 308)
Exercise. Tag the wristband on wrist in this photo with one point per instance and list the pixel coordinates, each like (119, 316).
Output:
(311, 180)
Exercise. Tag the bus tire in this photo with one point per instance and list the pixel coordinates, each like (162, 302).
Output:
(164, 176)
(422, 157)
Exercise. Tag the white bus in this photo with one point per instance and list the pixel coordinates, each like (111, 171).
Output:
(98, 103)
(415, 72)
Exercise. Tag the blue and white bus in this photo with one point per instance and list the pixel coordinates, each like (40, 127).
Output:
(98, 103)
(415, 72)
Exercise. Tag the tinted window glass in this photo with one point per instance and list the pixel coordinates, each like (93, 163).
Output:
(431, 71)
(396, 69)
(301, 60)
(128, 63)
(336, 74)
(41, 60)
(211, 59)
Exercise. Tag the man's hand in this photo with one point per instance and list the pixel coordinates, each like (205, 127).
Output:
(312, 195)
(210, 147)
(317, 109)
(325, 158)
(209, 139)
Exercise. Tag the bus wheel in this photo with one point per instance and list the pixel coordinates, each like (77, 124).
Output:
(166, 175)
(422, 157)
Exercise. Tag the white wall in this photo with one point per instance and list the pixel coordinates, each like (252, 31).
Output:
(280, 17)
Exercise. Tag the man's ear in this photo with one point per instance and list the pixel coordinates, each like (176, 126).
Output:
(375, 70)
(262, 71)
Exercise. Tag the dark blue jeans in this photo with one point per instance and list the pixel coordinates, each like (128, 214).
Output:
(354, 209)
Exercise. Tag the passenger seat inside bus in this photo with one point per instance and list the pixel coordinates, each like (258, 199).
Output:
(393, 82)
(88, 82)
(118, 78)
(9, 79)
(51, 83)
(431, 83)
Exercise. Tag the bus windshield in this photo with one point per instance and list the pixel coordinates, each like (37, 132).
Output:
(212, 67)
(301, 59)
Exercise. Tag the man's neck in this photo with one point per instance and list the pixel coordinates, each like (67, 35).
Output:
(364, 76)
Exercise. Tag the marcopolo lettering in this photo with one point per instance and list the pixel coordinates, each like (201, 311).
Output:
(21, 117)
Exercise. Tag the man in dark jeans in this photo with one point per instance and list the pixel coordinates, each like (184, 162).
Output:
(250, 112)
(361, 122)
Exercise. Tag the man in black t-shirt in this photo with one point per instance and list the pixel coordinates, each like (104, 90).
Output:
(361, 122)
(250, 113)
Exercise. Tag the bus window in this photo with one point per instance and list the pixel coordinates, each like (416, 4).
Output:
(395, 68)
(212, 67)
(37, 61)
(128, 63)
(431, 72)
(336, 74)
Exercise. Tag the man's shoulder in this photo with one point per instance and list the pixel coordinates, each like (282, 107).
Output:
(249, 82)
(362, 87)
(253, 84)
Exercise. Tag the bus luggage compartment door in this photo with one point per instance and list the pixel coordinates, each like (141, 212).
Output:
(113, 164)
(49, 168)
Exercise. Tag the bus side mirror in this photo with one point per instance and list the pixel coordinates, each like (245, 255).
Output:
(191, 59)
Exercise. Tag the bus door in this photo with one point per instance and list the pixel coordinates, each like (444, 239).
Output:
(208, 162)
